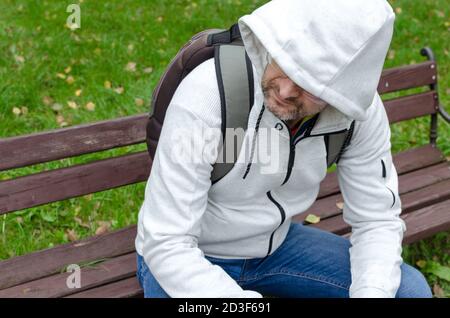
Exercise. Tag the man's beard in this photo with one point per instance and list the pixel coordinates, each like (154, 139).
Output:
(294, 108)
(292, 111)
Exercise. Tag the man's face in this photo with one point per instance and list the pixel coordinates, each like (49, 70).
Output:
(285, 99)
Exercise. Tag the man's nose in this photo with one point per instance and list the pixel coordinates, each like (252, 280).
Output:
(288, 89)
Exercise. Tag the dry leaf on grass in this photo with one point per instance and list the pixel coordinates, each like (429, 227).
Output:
(72, 235)
(148, 70)
(131, 67)
(81, 223)
(90, 106)
(70, 80)
(104, 227)
(107, 85)
(57, 107)
(72, 104)
(139, 102)
(47, 100)
(16, 111)
(119, 90)
(438, 291)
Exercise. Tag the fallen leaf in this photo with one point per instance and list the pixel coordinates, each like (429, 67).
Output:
(148, 70)
(119, 90)
(107, 85)
(57, 107)
(47, 100)
(421, 263)
(391, 54)
(60, 119)
(398, 10)
(24, 110)
(103, 227)
(19, 59)
(130, 48)
(438, 291)
(139, 102)
(78, 92)
(131, 67)
(16, 111)
(67, 70)
(81, 223)
(312, 219)
(70, 80)
(340, 205)
(90, 106)
(61, 76)
(72, 235)
(72, 104)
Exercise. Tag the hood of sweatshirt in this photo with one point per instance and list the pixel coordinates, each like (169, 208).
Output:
(333, 49)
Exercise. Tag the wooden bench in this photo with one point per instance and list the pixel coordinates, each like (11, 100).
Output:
(424, 183)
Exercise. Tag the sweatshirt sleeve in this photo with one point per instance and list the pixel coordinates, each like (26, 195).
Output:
(369, 184)
(175, 201)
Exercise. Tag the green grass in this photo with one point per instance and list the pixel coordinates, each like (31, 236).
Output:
(35, 46)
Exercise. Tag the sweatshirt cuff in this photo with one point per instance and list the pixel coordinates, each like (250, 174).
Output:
(369, 292)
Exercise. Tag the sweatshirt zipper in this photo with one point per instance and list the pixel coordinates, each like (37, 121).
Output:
(293, 142)
(283, 218)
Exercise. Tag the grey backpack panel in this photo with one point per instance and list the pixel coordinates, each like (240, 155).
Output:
(236, 90)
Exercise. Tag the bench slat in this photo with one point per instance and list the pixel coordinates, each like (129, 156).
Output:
(127, 288)
(413, 106)
(404, 162)
(420, 224)
(57, 144)
(16, 270)
(60, 184)
(410, 201)
(54, 286)
(409, 76)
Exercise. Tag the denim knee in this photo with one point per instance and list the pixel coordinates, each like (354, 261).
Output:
(413, 284)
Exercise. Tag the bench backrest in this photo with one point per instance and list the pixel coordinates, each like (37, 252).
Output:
(78, 180)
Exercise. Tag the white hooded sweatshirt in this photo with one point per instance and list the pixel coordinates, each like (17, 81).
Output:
(333, 49)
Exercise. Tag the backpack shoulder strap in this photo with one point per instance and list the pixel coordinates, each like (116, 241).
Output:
(337, 143)
(235, 79)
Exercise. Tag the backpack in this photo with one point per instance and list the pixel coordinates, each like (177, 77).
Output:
(235, 80)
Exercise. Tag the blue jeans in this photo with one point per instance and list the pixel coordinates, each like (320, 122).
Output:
(309, 263)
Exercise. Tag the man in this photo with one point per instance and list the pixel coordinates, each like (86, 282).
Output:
(316, 64)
